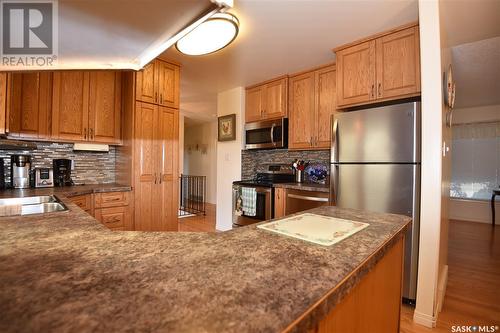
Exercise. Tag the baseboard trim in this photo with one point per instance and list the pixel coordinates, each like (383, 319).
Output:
(442, 283)
(424, 319)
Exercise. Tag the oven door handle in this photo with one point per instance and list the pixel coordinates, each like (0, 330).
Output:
(272, 134)
(303, 197)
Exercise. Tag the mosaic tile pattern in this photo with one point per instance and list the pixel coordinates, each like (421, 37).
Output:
(254, 161)
(89, 167)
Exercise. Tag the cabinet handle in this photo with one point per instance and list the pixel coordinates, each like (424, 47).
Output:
(91, 134)
(156, 97)
(155, 177)
(160, 177)
(161, 98)
(311, 141)
(85, 133)
(373, 88)
(379, 89)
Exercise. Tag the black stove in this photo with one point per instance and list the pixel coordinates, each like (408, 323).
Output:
(275, 174)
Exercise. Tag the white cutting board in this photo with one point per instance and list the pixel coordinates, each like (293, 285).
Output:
(318, 229)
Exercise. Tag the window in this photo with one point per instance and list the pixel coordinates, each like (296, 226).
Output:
(475, 160)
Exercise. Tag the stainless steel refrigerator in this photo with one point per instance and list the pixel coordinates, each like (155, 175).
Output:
(375, 166)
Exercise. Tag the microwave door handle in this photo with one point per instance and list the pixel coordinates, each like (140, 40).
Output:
(272, 134)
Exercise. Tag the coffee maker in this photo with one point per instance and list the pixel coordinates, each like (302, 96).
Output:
(20, 168)
(62, 172)
(2, 175)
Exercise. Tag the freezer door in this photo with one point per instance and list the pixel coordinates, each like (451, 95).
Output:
(386, 188)
(385, 134)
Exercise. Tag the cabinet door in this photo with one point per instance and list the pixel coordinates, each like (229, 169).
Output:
(398, 64)
(29, 104)
(105, 107)
(3, 102)
(70, 105)
(168, 84)
(253, 104)
(356, 74)
(168, 135)
(146, 209)
(325, 105)
(279, 202)
(276, 99)
(301, 111)
(145, 85)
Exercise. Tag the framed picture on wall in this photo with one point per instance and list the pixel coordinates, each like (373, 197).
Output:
(227, 128)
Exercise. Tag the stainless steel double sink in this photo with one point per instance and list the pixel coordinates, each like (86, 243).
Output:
(31, 205)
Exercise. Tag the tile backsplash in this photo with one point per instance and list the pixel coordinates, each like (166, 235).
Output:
(89, 167)
(254, 161)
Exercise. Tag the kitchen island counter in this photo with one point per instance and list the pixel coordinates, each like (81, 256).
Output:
(66, 272)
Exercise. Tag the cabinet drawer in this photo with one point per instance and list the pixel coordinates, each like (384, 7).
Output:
(112, 218)
(111, 199)
(83, 201)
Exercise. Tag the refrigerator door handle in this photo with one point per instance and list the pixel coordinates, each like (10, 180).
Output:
(335, 142)
(334, 184)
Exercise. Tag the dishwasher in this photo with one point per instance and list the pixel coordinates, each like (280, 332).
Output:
(300, 200)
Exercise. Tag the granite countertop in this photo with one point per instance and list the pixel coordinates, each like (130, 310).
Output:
(67, 191)
(305, 186)
(66, 272)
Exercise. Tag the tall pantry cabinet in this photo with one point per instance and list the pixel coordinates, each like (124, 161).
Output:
(149, 157)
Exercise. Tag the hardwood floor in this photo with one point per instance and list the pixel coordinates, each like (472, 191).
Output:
(473, 291)
(200, 223)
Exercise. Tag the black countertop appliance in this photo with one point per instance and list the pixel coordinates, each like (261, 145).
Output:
(62, 172)
(2, 175)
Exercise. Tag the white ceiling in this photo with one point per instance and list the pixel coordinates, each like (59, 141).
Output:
(472, 31)
(476, 70)
(279, 37)
(119, 33)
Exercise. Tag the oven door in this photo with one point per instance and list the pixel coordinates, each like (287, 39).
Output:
(264, 207)
(267, 134)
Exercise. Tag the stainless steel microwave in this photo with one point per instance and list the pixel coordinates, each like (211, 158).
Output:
(267, 134)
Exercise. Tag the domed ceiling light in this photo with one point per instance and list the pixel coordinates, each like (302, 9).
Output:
(214, 34)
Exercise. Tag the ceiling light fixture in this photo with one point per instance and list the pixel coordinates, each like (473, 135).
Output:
(214, 34)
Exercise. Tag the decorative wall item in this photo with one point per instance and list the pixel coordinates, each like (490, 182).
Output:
(227, 128)
(449, 95)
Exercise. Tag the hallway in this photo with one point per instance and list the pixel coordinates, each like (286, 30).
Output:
(473, 291)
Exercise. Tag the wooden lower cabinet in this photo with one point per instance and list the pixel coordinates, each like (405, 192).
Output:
(85, 202)
(374, 305)
(279, 202)
(156, 167)
(113, 209)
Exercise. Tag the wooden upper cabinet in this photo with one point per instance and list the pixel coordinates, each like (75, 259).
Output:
(3, 102)
(380, 68)
(158, 83)
(326, 103)
(70, 105)
(29, 105)
(312, 102)
(356, 74)
(301, 111)
(276, 99)
(267, 100)
(105, 107)
(168, 84)
(398, 63)
(146, 86)
(253, 104)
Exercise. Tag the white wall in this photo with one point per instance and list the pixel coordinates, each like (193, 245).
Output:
(431, 221)
(201, 158)
(476, 114)
(229, 155)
